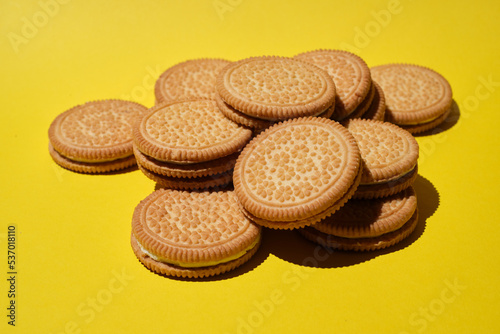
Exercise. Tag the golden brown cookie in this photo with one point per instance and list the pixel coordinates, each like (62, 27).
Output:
(389, 155)
(297, 169)
(414, 94)
(363, 225)
(188, 131)
(192, 234)
(350, 74)
(171, 169)
(376, 111)
(275, 88)
(363, 106)
(95, 137)
(191, 79)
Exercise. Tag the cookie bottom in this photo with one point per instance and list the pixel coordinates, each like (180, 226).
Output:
(369, 191)
(89, 167)
(189, 183)
(172, 270)
(362, 244)
(418, 128)
(288, 225)
(363, 106)
(377, 108)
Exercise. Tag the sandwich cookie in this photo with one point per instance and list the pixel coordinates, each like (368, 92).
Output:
(376, 111)
(365, 225)
(296, 172)
(275, 88)
(389, 156)
(95, 137)
(363, 106)
(350, 74)
(192, 234)
(189, 80)
(188, 144)
(417, 98)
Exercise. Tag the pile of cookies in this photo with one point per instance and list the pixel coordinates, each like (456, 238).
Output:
(307, 143)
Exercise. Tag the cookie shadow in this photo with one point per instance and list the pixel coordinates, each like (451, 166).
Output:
(292, 247)
(447, 124)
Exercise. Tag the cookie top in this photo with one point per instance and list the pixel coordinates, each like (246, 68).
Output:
(276, 88)
(413, 94)
(96, 131)
(361, 218)
(296, 169)
(376, 111)
(192, 228)
(387, 151)
(190, 79)
(350, 74)
(188, 131)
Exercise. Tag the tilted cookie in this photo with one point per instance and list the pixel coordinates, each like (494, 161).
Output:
(364, 225)
(275, 88)
(389, 155)
(190, 79)
(192, 234)
(297, 172)
(193, 135)
(95, 137)
(350, 74)
(376, 111)
(417, 98)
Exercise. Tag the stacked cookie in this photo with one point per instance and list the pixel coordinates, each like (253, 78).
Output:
(95, 137)
(188, 144)
(357, 94)
(418, 98)
(256, 92)
(384, 209)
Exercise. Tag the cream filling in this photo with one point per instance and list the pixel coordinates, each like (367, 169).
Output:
(200, 264)
(389, 180)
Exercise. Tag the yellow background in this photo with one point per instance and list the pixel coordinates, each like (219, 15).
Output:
(77, 273)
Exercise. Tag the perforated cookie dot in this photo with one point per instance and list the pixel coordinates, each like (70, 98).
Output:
(279, 81)
(192, 124)
(100, 124)
(196, 219)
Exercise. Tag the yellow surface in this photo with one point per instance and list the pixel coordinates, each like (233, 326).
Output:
(76, 269)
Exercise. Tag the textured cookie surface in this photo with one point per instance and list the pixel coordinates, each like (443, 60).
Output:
(193, 229)
(387, 150)
(414, 94)
(188, 131)
(188, 80)
(296, 169)
(276, 88)
(360, 218)
(350, 74)
(96, 131)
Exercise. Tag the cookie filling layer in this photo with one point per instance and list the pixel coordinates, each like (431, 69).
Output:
(199, 264)
(389, 180)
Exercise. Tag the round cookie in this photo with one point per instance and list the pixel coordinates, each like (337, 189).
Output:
(188, 131)
(95, 137)
(389, 156)
(192, 234)
(414, 94)
(297, 169)
(189, 80)
(363, 225)
(275, 88)
(350, 74)
(376, 111)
